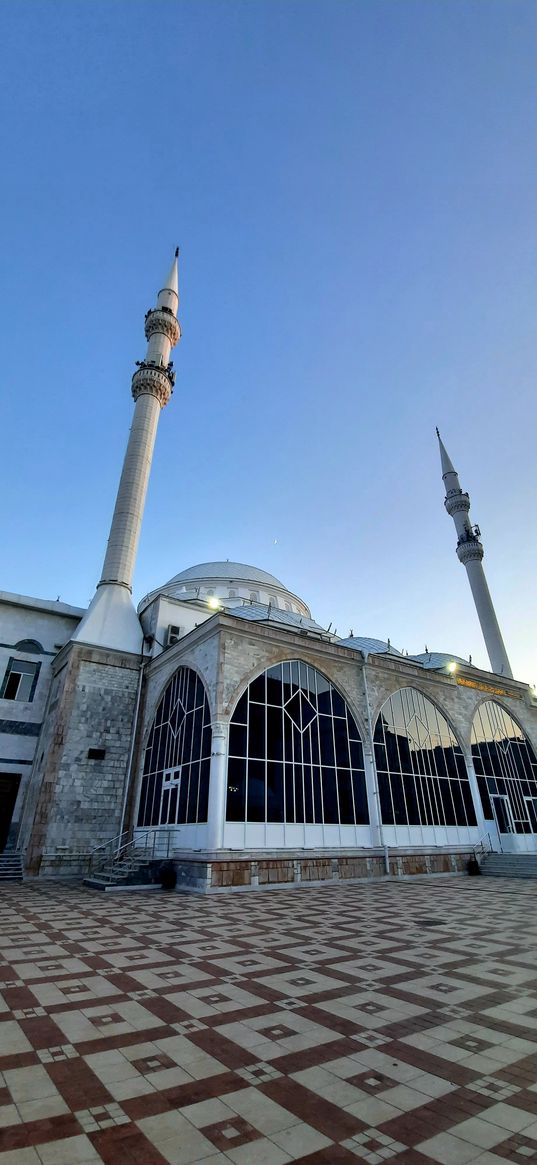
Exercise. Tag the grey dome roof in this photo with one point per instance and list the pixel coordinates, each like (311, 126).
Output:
(229, 570)
(432, 659)
(372, 646)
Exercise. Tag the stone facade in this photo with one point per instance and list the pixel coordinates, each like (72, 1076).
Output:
(217, 875)
(82, 758)
(46, 626)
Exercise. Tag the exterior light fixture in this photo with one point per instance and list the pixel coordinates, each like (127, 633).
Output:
(213, 603)
(452, 667)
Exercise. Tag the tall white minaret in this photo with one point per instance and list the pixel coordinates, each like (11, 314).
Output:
(111, 620)
(470, 553)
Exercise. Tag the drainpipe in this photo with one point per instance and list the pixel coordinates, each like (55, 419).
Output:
(134, 734)
(374, 769)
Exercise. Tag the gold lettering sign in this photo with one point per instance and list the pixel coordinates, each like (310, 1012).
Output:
(487, 688)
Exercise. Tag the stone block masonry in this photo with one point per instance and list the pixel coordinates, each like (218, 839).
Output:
(210, 874)
(78, 798)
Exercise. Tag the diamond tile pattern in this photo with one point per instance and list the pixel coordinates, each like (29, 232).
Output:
(323, 1025)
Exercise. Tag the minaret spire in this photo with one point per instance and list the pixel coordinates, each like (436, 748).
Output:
(470, 553)
(111, 620)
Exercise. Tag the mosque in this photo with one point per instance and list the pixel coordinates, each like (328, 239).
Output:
(220, 726)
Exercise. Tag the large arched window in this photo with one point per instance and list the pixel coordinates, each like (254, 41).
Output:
(295, 753)
(506, 769)
(175, 781)
(420, 766)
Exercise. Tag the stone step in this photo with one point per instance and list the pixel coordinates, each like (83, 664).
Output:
(509, 865)
(96, 883)
(11, 869)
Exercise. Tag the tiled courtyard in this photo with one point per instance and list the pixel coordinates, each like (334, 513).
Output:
(365, 1022)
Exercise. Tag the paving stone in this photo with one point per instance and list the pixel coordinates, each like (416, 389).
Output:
(324, 1025)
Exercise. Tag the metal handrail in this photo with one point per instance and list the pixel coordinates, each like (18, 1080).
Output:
(483, 846)
(148, 845)
(106, 850)
(110, 842)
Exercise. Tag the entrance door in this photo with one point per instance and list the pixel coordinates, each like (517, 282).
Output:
(504, 822)
(170, 796)
(531, 810)
(9, 787)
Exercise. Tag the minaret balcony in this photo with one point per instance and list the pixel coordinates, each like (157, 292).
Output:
(469, 549)
(457, 502)
(163, 321)
(153, 381)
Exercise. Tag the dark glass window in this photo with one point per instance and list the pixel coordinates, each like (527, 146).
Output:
(175, 781)
(421, 771)
(295, 752)
(20, 680)
(507, 768)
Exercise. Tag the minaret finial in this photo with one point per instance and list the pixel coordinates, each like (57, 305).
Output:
(470, 553)
(437, 432)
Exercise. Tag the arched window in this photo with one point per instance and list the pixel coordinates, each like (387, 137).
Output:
(175, 781)
(506, 769)
(30, 646)
(295, 752)
(420, 766)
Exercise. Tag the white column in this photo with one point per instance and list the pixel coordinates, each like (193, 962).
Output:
(127, 520)
(217, 785)
(476, 796)
(371, 778)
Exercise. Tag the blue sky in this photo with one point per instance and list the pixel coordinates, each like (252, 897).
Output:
(353, 186)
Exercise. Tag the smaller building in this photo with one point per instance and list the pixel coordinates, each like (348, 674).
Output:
(32, 632)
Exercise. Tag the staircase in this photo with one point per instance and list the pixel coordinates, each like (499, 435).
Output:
(123, 871)
(11, 866)
(495, 865)
(128, 861)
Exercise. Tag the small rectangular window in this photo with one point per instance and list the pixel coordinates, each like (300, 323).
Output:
(20, 680)
(96, 753)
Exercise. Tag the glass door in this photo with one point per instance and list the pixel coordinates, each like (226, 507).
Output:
(170, 796)
(531, 810)
(504, 821)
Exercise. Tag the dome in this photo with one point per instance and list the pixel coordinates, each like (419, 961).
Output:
(229, 571)
(370, 646)
(231, 583)
(437, 659)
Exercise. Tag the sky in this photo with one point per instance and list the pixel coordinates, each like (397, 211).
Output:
(353, 187)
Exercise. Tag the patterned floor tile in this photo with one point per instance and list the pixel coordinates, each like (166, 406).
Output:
(246, 1034)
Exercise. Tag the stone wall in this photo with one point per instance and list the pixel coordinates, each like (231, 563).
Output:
(77, 800)
(50, 624)
(214, 875)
